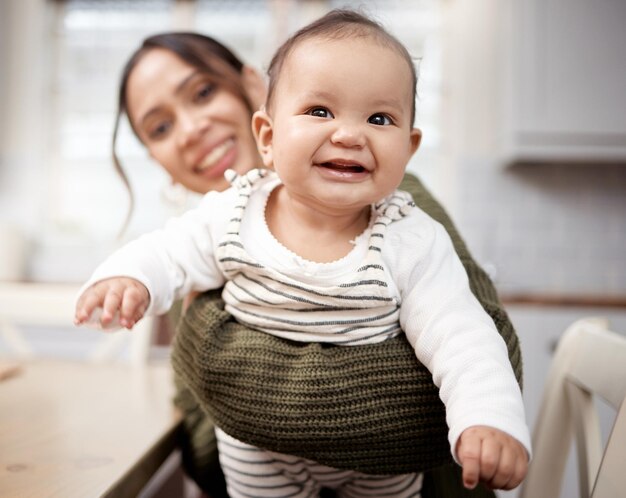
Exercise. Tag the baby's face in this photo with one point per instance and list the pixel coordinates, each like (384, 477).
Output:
(341, 122)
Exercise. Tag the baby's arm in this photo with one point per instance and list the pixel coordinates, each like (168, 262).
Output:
(148, 274)
(119, 296)
(460, 345)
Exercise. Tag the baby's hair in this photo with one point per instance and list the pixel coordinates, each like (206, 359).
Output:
(335, 25)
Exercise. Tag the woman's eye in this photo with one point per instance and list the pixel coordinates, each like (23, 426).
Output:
(204, 92)
(320, 112)
(380, 120)
(159, 130)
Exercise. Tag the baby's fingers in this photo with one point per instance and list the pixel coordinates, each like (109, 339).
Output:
(134, 305)
(490, 459)
(497, 463)
(112, 304)
(119, 296)
(512, 469)
(87, 303)
(468, 453)
(492, 456)
(521, 469)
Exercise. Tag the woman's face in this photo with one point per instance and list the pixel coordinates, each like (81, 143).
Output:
(192, 127)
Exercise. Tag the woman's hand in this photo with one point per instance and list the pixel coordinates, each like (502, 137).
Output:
(491, 456)
(188, 300)
(119, 296)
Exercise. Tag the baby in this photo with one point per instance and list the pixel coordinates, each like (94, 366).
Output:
(320, 246)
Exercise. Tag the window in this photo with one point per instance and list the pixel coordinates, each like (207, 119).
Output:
(91, 41)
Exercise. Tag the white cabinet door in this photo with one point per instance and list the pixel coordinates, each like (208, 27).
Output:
(566, 83)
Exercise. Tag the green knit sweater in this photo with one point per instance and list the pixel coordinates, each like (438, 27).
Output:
(372, 408)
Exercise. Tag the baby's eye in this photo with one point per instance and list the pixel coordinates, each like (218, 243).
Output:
(320, 112)
(380, 120)
(204, 92)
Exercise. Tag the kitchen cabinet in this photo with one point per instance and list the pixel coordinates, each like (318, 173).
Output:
(565, 81)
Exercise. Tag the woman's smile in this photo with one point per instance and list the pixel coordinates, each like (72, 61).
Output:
(218, 159)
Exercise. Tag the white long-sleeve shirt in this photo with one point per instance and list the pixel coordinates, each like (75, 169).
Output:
(450, 332)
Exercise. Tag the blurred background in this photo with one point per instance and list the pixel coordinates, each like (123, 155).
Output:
(521, 103)
(61, 67)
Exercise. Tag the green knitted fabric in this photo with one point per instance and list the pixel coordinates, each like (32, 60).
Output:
(371, 408)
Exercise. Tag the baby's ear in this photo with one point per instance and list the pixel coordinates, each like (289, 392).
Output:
(416, 139)
(262, 128)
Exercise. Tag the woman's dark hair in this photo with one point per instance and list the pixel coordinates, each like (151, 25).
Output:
(202, 52)
(335, 25)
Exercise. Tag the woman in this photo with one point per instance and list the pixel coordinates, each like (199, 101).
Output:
(190, 100)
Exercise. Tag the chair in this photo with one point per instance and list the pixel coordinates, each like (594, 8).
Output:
(590, 360)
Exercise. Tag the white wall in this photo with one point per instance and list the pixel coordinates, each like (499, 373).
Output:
(541, 228)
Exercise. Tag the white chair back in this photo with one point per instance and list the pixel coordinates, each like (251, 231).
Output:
(590, 360)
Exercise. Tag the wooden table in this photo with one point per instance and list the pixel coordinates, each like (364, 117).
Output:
(83, 430)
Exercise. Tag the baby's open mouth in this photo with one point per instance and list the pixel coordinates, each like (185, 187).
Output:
(351, 168)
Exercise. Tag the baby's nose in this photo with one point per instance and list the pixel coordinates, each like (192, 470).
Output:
(349, 135)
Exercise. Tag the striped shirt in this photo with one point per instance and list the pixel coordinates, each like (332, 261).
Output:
(360, 308)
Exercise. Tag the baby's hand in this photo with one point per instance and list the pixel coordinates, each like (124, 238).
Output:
(492, 456)
(122, 295)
